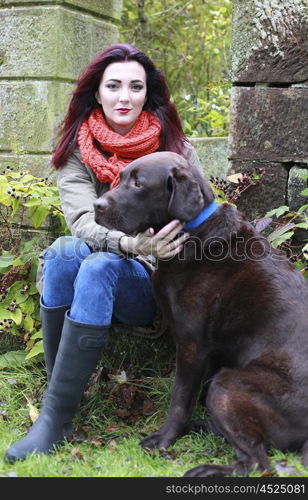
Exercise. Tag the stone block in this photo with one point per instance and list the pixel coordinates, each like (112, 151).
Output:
(28, 42)
(212, 152)
(270, 41)
(103, 8)
(267, 194)
(31, 110)
(297, 182)
(81, 38)
(50, 42)
(269, 124)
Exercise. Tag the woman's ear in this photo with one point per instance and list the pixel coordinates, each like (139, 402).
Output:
(97, 97)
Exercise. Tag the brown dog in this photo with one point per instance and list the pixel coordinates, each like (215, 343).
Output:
(237, 310)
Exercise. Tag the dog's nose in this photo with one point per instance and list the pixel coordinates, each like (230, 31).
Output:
(100, 204)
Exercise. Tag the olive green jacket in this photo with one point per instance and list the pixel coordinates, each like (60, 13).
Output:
(79, 188)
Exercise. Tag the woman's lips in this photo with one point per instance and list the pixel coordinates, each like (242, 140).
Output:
(123, 111)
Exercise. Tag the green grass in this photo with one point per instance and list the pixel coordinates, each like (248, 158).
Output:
(106, 445)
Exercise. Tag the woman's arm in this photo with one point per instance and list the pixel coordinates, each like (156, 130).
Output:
(77, 194)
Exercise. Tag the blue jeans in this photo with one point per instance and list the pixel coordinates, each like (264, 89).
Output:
(99, 287)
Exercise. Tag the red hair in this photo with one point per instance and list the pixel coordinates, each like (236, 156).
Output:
(83, 102)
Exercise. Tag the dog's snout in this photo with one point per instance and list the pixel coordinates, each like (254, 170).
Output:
(101, 204)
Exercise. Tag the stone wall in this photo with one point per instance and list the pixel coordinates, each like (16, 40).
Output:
(44, 45)
(269, 105)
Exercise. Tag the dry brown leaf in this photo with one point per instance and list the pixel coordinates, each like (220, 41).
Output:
(33, 412)
(112, 446)
(236, 178)
(96, 440)
(77, 453)
(113, 427)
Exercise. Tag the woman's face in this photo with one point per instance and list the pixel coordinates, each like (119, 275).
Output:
(122, 94)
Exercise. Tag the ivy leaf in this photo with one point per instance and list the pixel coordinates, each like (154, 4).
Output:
(281, 231)
(282, 238)
(27, 307)
(38, 216)
(36, 349)
(277, 211)
(11, 359)
(37, 335)
(4, 314)
(21, 297)
(32, 290)
(16, 316)
(28, 323)
(6, 259)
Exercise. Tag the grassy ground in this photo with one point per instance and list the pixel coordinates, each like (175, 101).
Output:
(114, 416)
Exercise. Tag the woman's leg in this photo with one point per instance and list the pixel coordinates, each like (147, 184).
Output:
(61, 265)
(101, 282)
(62, 261)
(108, 286)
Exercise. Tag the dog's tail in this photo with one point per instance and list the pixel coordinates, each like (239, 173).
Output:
(305, 453)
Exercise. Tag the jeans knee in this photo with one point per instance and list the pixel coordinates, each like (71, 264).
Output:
(98, 265)
(66, 248)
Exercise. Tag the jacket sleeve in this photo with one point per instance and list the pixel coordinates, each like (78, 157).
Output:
(77, 194)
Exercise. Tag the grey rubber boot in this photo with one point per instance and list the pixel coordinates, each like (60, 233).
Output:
(52, 319)
(78, 353)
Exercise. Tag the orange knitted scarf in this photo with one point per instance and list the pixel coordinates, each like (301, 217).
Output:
(141, 140)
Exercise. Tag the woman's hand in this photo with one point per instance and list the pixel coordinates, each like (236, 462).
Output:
(160, 245)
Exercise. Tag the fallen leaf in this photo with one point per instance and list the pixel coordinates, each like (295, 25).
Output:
(266, 473)
(33, 412)
(120, 378)
(283, 467)
(112, 446)
(11, 381)
(236, 178)
(123, 412)
(113, 427)
(77, 453)
(96, 440)
(169, 454)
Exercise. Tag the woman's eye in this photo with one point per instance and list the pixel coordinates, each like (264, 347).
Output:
(111, 86)
(137, 87)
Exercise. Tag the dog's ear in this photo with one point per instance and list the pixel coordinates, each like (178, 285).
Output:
(186, 200)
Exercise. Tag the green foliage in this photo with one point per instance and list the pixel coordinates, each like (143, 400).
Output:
(284, 228)
(289, 232)
(190, 43)
(25, 200)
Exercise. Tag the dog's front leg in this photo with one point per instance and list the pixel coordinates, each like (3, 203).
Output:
(190, 366)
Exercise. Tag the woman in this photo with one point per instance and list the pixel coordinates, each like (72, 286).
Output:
(120, 110)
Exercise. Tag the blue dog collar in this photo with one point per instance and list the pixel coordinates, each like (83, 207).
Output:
(204, 214)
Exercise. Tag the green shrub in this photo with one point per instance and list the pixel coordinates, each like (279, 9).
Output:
(26, 202)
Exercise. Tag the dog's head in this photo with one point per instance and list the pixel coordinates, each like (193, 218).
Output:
(153, 190)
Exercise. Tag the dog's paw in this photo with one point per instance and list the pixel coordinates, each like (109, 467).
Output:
(210, 471)
(157, 440)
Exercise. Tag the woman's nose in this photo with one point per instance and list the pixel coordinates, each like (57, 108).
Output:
(124, 96)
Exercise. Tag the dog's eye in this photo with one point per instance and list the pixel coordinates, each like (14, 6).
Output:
(137, 183)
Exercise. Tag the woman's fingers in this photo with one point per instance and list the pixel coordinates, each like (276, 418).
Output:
(164, 244)
(169, 231)
(172, 248)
